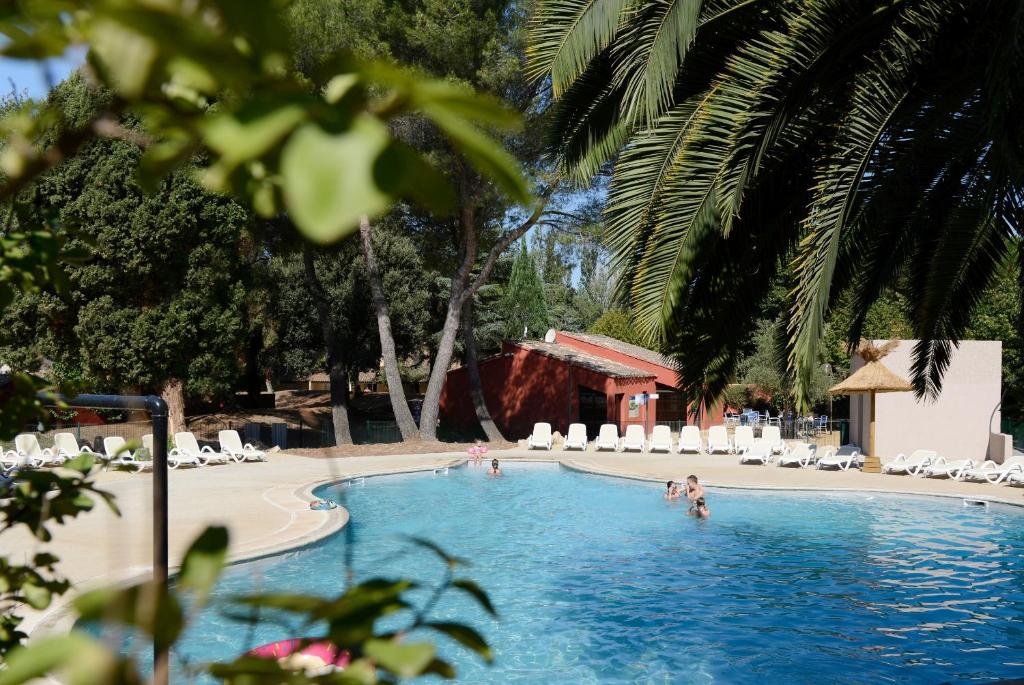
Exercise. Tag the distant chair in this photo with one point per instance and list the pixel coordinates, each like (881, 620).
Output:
(841, 459)
(541, 436)
(1010, 470)
(576, 438)
(26, 447)
(912, 465)
(187, 452)
(732, 419)
(941, 468)
(118, 454)
(743, 438)
(772, 435)
(661, 439)
(800, 454)
(231, 445)
(718, 440)
(758, 453)
(634, 440)
(821, 424)
(689, 440)
(607, 438)
(773, 420)
(66, 446)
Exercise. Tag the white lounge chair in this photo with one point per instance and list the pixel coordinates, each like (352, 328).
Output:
(842, 459)
(718, 440)
(912, 465)
(689, 440)
(661, 439)
(541, 436)
(231, 445)
(118, 454)
(634, 439)
(758, 453)
(742, 438)
(800, 455)
(15, 459)
(66, 447)
(187, 452)
(27, 452)
(607, 438)
(773, 436)
(940, 468)
(995, 473)
(576, 437)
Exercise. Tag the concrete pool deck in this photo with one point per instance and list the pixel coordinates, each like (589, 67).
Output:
(266, 505)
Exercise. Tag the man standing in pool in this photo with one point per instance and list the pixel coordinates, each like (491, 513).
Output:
(694, 490)
(494, 470)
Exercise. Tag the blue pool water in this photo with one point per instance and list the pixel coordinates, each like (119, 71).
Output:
(598, 580)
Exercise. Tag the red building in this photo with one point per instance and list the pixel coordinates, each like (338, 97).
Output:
(577, 378)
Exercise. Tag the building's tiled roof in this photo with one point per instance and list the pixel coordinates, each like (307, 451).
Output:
(623, 348)
(320, 377)
(584, 360)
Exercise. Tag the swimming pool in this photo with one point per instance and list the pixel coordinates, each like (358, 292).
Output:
(599, 580)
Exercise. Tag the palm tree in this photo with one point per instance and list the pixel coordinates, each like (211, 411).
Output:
(841, 143)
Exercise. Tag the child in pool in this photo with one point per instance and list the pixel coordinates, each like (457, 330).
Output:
(672, 491)
(699, 509)
(495, 470)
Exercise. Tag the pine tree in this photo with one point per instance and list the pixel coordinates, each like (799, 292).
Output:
(525, 304)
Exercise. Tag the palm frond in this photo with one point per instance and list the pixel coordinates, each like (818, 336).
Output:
(879, 92)
(565, 35)
(651, 48)
(586, 130)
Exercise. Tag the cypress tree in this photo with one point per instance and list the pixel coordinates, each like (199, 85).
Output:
(524, 301)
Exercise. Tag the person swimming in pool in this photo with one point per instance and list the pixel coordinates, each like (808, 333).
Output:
(699, 509)
(672, 491)
(495, 470)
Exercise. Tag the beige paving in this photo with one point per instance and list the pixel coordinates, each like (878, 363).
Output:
(266, 505)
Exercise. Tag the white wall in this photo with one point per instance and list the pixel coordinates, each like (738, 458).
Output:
(957, 424)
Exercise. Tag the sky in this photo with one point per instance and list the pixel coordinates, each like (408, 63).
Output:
(30, 77)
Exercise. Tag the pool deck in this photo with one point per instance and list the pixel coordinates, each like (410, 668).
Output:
(266, 505)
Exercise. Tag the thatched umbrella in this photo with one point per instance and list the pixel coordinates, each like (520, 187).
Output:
(874, 377)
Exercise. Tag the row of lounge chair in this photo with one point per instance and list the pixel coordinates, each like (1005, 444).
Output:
(27, 452)
(928, 464)
(771, 448)
(690, 439)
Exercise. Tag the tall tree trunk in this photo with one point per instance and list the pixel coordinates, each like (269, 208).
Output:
(462, 289)
(173, 393)
(446, 346)
(337, 368)
(476, 388)
(399, 405)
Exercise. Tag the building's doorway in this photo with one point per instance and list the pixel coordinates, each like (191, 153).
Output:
(593, 410)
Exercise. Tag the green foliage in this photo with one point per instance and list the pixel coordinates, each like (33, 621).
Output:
(843, 144)
(293, 339)
(765, 371)
(524, 302)
(217, 77)
(36, 501)
(350, 622)
(617, 323)
(161, 294)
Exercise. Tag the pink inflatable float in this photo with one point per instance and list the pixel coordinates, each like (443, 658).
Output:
(312, 655)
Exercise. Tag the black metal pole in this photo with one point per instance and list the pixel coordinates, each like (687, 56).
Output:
(157, 409)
